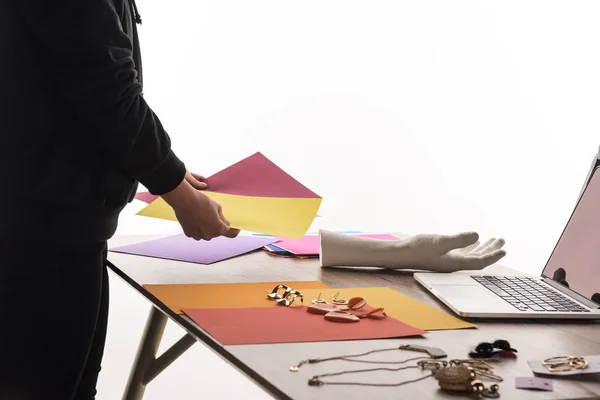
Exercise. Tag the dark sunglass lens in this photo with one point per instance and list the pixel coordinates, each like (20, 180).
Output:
(484, 348)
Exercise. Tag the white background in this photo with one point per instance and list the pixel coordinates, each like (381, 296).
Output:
(405, 116)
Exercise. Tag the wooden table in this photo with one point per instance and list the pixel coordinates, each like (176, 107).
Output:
(268, 365)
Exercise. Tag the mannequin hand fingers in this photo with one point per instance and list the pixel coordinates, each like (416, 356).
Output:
(470, 248)
(458, 241)
(494, 244)
(482, 246)
(476, 262)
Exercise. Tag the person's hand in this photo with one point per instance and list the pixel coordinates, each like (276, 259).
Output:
(200, 216)
(455, 252)
(196, 180)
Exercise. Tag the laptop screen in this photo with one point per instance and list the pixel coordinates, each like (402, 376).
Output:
(575, 261)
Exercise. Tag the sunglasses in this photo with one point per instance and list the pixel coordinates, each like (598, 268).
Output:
(498, 347)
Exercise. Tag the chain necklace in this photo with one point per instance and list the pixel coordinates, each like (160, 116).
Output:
(350, 358)
(316, 380)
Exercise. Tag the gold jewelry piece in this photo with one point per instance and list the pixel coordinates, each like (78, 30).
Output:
(335, 300)
(290, 298)
(274, 294)
(353, 358)
(286, 298)
(458, 377)
(319, 300)
(565, 363)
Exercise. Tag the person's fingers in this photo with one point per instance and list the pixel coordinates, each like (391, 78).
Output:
(475, 262)
(231, 233)
(470, 248)
(495, 244)
(196, 236)
(222, 217)
(191, 234)
(458, 241)
(194, 181)
(198, 177)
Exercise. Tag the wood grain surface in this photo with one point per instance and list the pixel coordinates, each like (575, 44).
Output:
(268, 365)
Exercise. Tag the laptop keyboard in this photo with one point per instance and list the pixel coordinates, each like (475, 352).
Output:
(528, 294)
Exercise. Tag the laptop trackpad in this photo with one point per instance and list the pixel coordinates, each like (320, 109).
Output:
(470, 298)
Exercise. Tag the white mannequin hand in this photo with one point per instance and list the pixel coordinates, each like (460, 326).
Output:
(425, 252)
(454, 253)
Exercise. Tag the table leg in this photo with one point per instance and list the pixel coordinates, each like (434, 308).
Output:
(146, 366)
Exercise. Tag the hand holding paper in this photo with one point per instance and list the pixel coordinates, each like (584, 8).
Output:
(257, 196)
(200, 216)
(196, 180)
(425, 252)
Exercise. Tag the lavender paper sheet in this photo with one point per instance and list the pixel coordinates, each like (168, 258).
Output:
(182, 248)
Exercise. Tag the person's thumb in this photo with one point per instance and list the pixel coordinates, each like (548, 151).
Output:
(222, 217)
(458, 241)
(231, 233)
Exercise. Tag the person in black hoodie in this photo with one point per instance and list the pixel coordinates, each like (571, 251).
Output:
(76, 137)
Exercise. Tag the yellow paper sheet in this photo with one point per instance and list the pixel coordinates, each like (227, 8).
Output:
(223, 295)
(397, 305)
(282, 217)
(241, 295)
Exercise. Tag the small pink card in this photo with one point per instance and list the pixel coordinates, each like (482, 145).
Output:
(534, 383)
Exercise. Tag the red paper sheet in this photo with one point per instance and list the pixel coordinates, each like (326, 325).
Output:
(233, 326)
(309, 244)
(257, 176)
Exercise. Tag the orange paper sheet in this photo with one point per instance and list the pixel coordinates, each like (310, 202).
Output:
(397, 305)
(264, 325)
(222, 295)
(245, 295)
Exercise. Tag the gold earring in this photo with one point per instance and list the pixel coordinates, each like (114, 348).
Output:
(335, 300)
(319, 300)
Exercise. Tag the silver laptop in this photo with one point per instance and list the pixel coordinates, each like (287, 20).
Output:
(567, 288)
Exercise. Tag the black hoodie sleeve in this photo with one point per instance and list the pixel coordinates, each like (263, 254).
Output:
(90, 58)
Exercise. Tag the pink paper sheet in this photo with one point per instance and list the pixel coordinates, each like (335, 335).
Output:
(309, 244)
(259, 177)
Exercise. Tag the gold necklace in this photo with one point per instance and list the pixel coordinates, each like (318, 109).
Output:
(316, 380)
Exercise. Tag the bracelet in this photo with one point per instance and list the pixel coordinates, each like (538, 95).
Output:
(565, 363)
